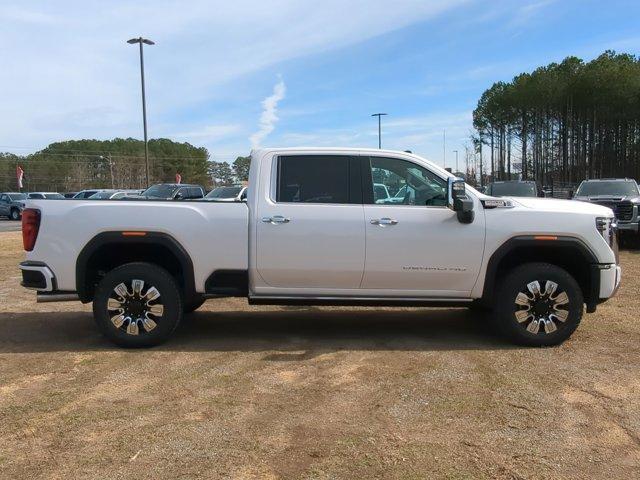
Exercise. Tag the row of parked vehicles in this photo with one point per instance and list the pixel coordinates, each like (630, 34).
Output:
(622, 195)
(12, 203)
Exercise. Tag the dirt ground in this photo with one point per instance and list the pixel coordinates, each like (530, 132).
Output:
(326, 393)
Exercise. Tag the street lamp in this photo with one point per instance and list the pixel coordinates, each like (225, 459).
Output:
(379, 128)
(142, 41)
(456, 152)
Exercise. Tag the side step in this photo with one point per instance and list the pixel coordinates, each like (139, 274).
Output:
(44, 297)
(361, 301)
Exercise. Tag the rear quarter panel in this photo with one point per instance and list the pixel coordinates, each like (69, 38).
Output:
(213, 234)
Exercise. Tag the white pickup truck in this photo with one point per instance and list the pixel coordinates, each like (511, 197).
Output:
(313, 231)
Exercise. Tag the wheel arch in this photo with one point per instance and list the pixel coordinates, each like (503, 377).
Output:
(569, 253)
(108, 250)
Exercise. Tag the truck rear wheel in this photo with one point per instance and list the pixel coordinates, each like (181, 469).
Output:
(137, 305)
(538, 305)
(15, 214)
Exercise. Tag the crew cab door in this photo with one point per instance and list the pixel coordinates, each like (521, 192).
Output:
(415, 245)
(310, 224)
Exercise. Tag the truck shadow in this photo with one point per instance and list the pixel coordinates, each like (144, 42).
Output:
(283, 333)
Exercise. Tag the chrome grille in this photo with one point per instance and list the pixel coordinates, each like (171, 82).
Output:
(622, 210)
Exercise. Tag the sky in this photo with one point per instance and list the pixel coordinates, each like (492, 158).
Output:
(231, 76)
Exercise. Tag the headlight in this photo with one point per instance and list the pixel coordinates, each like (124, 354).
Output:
(608, 228)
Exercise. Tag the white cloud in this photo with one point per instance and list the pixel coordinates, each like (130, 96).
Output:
(527, 12)
(269, 116)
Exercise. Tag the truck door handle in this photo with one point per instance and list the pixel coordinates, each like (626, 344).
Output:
(384, 221)
(276, 219)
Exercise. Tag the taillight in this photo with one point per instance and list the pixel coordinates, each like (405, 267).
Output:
(30, 227)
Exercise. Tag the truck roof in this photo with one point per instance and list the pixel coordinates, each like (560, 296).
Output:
(609, 180)
(328, 149)
(258, 152)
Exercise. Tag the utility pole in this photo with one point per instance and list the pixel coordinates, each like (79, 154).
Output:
(456, 152)
(111, 170)
(444, 148)
(142, 41)
(108, 159)
(379, 115)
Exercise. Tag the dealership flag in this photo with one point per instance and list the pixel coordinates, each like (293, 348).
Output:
(178, 178)
(19, 175)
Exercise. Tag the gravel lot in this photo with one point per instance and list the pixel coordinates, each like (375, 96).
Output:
(248, 392)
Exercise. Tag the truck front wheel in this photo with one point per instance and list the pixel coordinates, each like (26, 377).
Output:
(538, 304)
(137, 305)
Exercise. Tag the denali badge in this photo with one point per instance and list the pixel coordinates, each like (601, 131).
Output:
(435, 269)
(497, 203)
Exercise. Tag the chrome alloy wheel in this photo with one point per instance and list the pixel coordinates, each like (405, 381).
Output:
(541, 311)
(135, 310)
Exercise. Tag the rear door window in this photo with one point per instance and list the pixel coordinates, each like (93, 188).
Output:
(318, 179)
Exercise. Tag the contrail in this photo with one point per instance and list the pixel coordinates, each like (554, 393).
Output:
(269, 117)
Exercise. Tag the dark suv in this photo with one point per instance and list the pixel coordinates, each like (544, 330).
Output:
(619, 194)
(514, 188)
(11, 204)
(173, 191)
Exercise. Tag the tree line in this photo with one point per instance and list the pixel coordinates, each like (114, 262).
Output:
(563, 122)
(119, 163)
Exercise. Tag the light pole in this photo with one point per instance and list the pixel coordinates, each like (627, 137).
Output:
(379, 115)
(456, 152)
(142, 41)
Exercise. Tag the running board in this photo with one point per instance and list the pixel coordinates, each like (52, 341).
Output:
(57, 297)
(361, 301)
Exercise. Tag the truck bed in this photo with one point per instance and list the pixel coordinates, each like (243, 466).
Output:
(214, 234)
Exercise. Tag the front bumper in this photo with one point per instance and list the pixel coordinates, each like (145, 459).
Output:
(37, 276)
(610, 276)
(628, 227)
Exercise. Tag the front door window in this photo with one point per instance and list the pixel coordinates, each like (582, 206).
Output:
(400, 182)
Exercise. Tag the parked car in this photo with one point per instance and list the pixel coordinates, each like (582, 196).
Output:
(173, 191)
(82, 194)
(381, 193)
(12, 204)
(311, 234)
(622, 195)
(115, 194)
(69, 194)
(45, 195)
(514, 188)
(234, 193)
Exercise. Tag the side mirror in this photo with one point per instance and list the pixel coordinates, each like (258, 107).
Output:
(459, 201)
(179, 196)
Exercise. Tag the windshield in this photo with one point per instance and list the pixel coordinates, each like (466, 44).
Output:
(224, 192)
(18, 196)
(515, 189)
(618, 189)
(53, 196)
(160, 191)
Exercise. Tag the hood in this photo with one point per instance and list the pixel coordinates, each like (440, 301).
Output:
(569, 206)
(609, 198)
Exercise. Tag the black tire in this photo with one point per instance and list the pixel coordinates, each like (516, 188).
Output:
(15, 214)
(133, 305)
(517, 281)
(193, 305)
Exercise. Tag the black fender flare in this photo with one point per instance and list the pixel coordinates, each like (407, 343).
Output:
(130, 238)
(536, 241)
